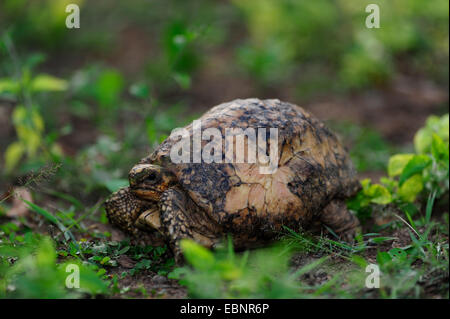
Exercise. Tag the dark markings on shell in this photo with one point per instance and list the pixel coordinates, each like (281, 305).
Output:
(318, 170)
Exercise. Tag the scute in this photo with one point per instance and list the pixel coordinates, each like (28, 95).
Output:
(313, 168)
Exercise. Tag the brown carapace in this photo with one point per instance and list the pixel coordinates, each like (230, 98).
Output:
(206, 201)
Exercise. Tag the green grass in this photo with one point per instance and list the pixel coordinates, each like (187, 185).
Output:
(299, 266)
(32, 263)
(269, 273)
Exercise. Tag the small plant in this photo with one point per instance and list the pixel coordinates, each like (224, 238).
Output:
(263, 273)
(30, 269)
(26, 117)
(424, 173)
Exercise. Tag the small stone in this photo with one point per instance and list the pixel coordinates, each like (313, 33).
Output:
(126, 262)
(158, 279)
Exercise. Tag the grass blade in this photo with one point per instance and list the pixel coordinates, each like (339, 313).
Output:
(47, 215)
(430, 204)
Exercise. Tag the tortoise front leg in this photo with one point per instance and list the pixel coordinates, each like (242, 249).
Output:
(180, 219)
(341, 221)
(131, 215)
(122, 210)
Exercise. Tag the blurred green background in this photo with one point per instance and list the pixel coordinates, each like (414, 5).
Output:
(79, 107)
(96, 99)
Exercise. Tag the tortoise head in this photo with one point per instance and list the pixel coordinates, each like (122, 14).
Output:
(148, 182)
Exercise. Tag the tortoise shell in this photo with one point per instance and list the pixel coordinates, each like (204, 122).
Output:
(313, 168)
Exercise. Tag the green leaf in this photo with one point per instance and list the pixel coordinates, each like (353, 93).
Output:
(123, 250)
(358, 202)
(443, 128)
(109, 87)
(45, 82)
(8, 85)
(115, 184)
(90, 280)
(378, 240)
(424, 137)
(67, 233)
(389, 183)
(198, 256)
(422, 140)
(397, 163)
(183, 79)
(46, 254)
(360, 261)
(398, 254)
(415, 165)
(13, 154)
(228, 270)
(383, 258)
(366, 183)
(439, 148)
(411, 188)
(140, 90)
(42, 212)
(378, 194)
(29, 126)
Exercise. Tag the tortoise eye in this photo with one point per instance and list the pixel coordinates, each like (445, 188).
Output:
(151, 178)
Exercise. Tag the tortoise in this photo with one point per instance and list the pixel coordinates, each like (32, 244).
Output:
(207, 200)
